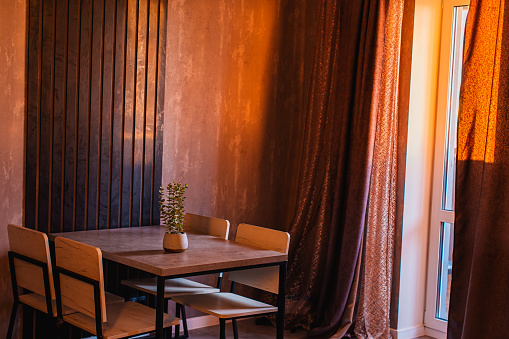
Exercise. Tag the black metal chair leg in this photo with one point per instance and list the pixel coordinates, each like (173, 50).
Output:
(168, 330)
(222, 329)
(235, 329)
(177, 314)
(13, 319)
(184, 321)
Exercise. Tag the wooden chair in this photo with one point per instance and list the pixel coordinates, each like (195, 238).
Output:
(31, 269)
(233, 306)
(181, 286)
(79, 285)
(30, 266)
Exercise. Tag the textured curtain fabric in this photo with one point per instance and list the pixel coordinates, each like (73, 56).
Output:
(348, 164)
(373, 319)
(479, 301)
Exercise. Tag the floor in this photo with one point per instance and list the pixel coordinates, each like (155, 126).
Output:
(249, 330)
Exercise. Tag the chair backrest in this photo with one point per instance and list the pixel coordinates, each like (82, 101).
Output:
(265, 278)
(207, 225)
(86, 261)
(32, 244)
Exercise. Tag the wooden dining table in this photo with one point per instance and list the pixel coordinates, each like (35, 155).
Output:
(142, 248)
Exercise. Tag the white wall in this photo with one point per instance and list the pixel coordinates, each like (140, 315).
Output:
(421, 126)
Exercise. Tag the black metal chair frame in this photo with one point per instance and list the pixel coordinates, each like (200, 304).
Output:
(182, 309)
(14, 255)
(280, 304)
(97, 301)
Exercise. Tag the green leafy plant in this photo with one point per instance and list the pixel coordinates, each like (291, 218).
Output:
(171, 206)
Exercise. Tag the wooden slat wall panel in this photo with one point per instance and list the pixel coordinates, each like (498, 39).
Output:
(150, 87)
(106, 114)
(32, 137)
(127, 156)
(94, 146)
(83, 123)
(46, 116)
(95, 124)
(71, 114)
(118, 115)
(139, 112)
(59, 116)
(159, 96)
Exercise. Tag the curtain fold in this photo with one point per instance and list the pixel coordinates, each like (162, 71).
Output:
(373, 319)
(480, 273)
(352, 102)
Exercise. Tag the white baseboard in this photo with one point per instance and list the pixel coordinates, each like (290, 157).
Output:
(417, 331)
(408, 333)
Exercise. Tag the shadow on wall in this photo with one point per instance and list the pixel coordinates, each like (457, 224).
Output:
(236, 88)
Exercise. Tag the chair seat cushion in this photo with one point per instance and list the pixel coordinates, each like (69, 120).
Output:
(172, 287)
(225, 305)
(123, 320)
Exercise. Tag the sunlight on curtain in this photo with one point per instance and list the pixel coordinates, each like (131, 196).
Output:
(373, 319)
(479, 288)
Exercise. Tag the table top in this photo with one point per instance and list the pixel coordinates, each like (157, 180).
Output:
(142, 248)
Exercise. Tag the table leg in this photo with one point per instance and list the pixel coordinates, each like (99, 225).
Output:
(280, 316)
(159, 307)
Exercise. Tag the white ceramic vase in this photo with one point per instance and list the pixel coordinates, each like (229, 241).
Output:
(175, 242)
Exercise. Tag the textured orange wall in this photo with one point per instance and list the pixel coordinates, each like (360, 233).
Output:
(12, 117)
(237, 74)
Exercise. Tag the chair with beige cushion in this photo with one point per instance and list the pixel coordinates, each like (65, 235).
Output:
(227, 306)
(31, 269)
(79, 284)
(181, 286)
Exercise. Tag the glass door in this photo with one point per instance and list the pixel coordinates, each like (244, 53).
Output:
(442, 205)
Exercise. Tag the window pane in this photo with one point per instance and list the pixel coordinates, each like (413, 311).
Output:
(445, 268)
(460, 16)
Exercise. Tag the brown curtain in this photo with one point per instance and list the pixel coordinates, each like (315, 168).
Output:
(352, 107)
(373, 319)
(479, 301)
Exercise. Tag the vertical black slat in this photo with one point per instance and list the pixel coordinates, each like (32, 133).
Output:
(76, 125)
(32, 112)
(129, 114)
(60, 55)
(134, 206)
(71, 112)
(150, 89)
(46, 103)
(64, 122)
(38, 155)
(83, 116)
(50, 52)
(90, 133)
(139, 125)
(95, 125)
(106, 114)
(152, 118)
(118, 82)
(158, 131)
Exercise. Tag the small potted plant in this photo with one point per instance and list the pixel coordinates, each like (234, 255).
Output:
(171, 206)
